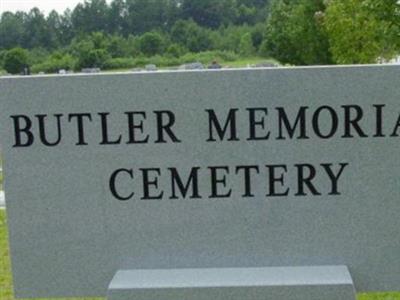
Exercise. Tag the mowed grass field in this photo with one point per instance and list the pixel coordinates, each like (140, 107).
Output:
(6, 281)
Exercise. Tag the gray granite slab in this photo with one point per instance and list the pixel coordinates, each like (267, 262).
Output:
(289, 283)
(69, 233)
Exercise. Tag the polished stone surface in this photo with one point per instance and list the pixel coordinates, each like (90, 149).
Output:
(289, 283)
(69, 235)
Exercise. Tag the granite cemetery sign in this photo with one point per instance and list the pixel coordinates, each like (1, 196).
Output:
(240, 169)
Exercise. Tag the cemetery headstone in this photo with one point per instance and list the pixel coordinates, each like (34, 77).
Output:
(281, 181)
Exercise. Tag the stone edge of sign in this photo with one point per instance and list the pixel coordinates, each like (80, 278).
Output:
(197, 71)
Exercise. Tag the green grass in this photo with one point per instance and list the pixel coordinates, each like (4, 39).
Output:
(244, 62)
(6, 282)
(238, 63)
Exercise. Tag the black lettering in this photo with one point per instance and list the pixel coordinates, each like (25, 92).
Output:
(133, 127)
(104, 131)
(184, 188)
(253, 123)
(113, 189)
(247, 178)
(334, 177)
(334, 122)
(397, 127)
(42, 130)
(215, 181)
(352, 122)
(80, 126)
(165, 126)
(303, 180)
(299, 123)
(147, 183)
(379, 118)
(214, 123)
(273, 179)
(18, 130)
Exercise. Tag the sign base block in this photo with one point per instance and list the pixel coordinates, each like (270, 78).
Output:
(269, 283)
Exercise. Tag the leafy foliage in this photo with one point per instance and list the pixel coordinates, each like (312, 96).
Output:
(16, 60)
(151, 43)
(99, 33)
(294, 34)
(362, 31)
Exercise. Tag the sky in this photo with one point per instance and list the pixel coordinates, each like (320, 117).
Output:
(44, 5)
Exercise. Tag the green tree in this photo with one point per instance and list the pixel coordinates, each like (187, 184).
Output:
(90, 16)
(176, 50)
(16, 60)
(246, 47)
(294, 33)
(2, 57)
(246, 15)
(117, 13)
(148, 15)
(210, 13)
(66, 32)
(36, 31)
(257, 35)
(229, 37)
(151, 43)
(11, 30)
(362, 31)
(118, 46)
(191, 36)
(54, 24)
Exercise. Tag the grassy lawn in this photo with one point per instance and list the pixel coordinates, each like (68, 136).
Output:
(240, 63)
(6, 283)
(244, 62)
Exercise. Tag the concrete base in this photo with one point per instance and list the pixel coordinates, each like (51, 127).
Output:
(271, 283)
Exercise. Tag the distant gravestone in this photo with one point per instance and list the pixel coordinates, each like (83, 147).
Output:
(151, 67)
(235, 184)
(2, 199)
(90, 70)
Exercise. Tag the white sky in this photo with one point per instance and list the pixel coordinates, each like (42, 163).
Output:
(45, 6)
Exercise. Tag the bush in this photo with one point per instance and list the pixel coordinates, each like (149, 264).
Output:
(119, 63)
(16, 60)
(55, 63)
(192, 36)
(246, 47)
(38, 56)
(176, 50)
(2, 57)
(207, 57)
(151, 43)
(94, 58)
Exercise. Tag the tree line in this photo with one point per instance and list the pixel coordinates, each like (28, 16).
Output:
(127, 33)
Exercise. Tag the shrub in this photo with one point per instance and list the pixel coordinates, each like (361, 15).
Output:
(176, 50)
(94, 58)
(2, 57)
(151, 43)
(16, 60)
(55, 63)
(208, 56)
(119, 63)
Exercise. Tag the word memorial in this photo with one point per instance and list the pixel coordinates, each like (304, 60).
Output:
(230, 184)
